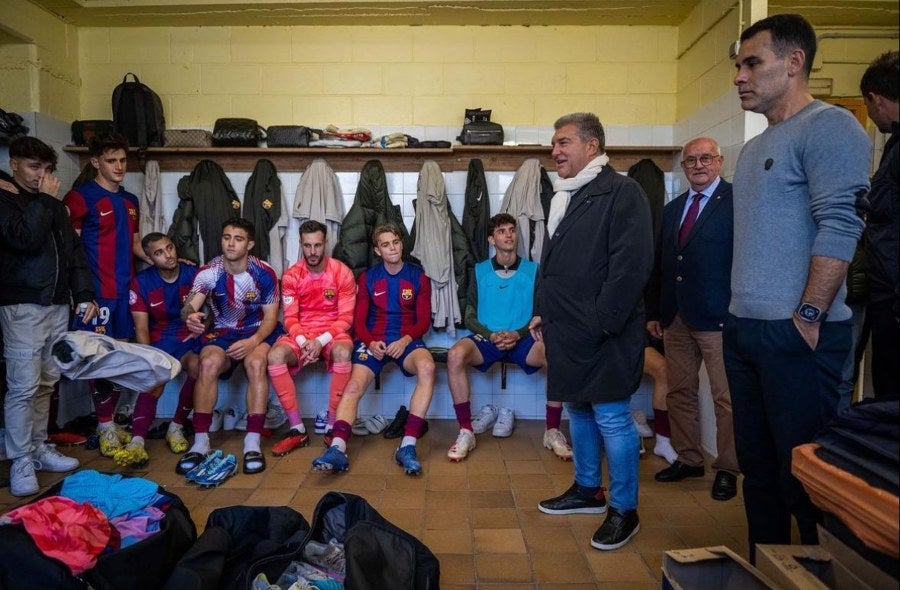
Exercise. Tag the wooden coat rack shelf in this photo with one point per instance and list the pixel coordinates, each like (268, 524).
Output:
(456, 158)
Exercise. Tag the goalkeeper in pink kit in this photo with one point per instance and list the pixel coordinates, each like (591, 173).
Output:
(318, 295)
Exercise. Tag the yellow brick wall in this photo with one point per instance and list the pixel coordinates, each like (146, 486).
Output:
(41, 72)
(387, 75)
(704, 68)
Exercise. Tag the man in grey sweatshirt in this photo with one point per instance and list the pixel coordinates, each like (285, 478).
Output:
(795, 230)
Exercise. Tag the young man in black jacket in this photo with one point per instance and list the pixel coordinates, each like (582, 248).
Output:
(42, 272)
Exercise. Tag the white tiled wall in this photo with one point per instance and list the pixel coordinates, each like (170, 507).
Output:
(523, 393)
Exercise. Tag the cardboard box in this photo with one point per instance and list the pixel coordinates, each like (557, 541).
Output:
(711, 567)
(851, 569)
(796, 567)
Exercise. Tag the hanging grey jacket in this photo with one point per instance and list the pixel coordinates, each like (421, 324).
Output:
(87, 355)
(320, 198)
(434, 248)
(522, 200)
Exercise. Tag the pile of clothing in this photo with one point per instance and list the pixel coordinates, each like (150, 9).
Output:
(93, 514)
(323, 567)
(333, 136)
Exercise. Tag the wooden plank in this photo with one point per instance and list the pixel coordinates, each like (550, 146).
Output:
(495, 158)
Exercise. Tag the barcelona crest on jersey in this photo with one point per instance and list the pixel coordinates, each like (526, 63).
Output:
(406, 294)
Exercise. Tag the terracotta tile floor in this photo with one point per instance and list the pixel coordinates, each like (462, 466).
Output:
(480, 516)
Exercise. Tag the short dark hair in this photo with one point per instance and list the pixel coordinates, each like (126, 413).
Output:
(498, 220)
(589, 127)
(882, 77)
(383, 229)
(32, 148)
(311, 226)
(241, 223)
(152, 237)
(100, 144)
(789, 32)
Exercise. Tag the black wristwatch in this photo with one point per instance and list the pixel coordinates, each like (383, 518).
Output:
(810, 313)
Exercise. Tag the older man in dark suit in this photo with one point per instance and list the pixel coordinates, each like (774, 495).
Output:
(688, 299)
(595, 263)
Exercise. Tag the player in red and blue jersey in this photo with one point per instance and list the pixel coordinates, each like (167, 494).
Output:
(393, 312)
(157, 295)
(242, 292)
(106, 216)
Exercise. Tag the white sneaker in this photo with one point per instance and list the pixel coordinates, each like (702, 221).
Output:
(465, 442)
(555, 441)
(275, 417)
(640, 422)
(485, 418)
(22, 479)
(320, 424)
(359, 428)
(49, 459)
(241, 423)
(216, 424)
(506, 423)
(230, 419)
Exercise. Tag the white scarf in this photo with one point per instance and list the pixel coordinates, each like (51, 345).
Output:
(564, 188)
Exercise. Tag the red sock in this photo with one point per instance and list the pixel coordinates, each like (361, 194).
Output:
(342, 430)
(144, 414)
(554, 416)
(283, 384)
(463, 414)
(185, 401)
(255, 423)
(104, 400)
(340, 376)
(661, 423)
(414, 426)
(202, 420)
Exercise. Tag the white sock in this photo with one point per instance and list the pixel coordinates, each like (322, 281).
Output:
(174, 426)
(408, 440)
(663, 448)
(251, 442)
(299, 428)
(137, 440)
(340, 444)
(201, 443)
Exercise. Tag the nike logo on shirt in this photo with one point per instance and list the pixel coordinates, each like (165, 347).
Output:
(105, 213)
(379, 293)
(157, 304)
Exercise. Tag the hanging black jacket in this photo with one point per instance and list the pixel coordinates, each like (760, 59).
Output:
(371, 207)
(883, 226)
(477, 210)
(262, 204)
(652, 180)
(206, 199)
(41, 256)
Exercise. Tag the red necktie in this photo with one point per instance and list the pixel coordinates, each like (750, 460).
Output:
(689, 219)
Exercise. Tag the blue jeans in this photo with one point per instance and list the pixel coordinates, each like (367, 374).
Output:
(610, 427)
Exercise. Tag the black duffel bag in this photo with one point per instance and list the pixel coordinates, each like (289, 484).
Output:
(287, 136)
(237, 132)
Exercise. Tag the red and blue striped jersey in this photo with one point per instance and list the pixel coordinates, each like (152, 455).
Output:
(108, 222)
(389, 307)
(237, 300)
(162, 301)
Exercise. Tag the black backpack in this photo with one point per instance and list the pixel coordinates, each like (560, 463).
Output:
(11, 127)
(138, 113)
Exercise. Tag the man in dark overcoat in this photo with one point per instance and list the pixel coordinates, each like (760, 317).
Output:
(597, 259)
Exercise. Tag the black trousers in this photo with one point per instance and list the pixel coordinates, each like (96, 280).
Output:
(882, 318)
(782, 393)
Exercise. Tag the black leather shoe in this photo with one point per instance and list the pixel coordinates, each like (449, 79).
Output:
(616, 530)
(678, 471)
(571, 502)
(724, 487)
(254, 462)
(395, 428)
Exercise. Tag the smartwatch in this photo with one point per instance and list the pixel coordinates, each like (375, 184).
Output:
(810, 313)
